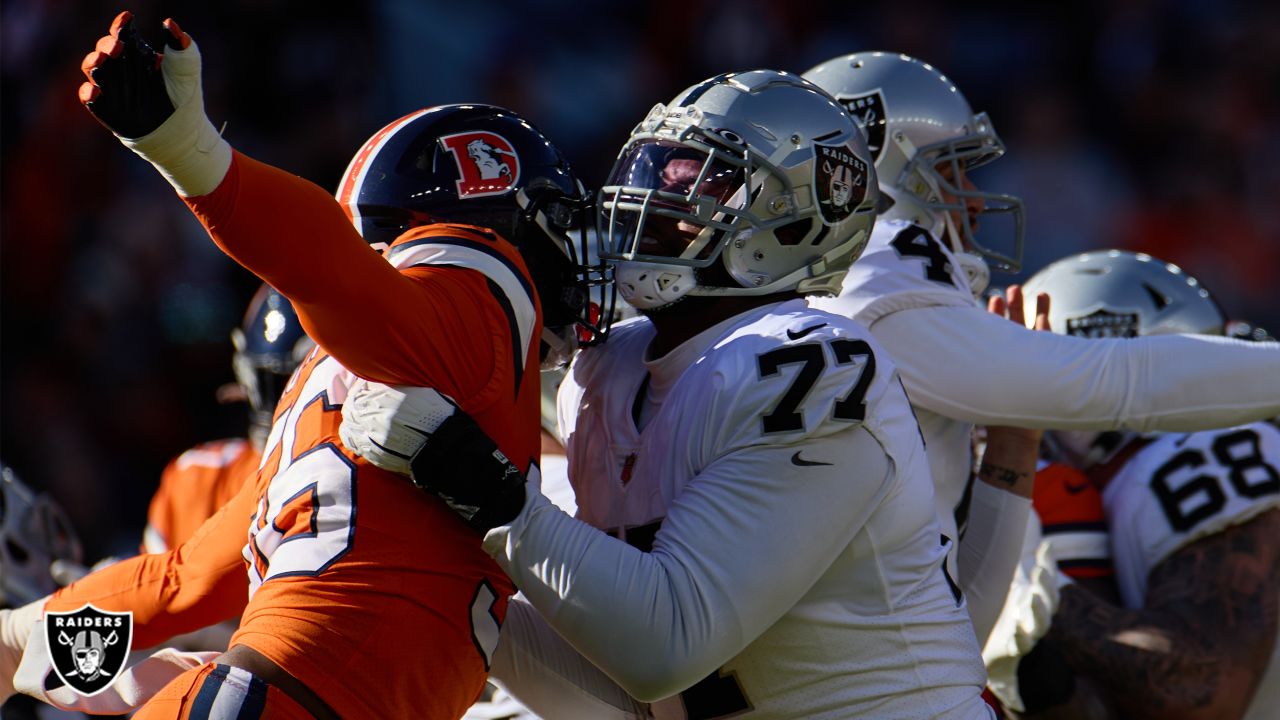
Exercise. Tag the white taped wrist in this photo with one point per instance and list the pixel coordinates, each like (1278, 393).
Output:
(186, 148)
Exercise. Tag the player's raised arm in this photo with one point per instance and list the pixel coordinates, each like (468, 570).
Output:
(379, 318)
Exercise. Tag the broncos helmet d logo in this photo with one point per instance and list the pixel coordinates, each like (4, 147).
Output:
(487, 163)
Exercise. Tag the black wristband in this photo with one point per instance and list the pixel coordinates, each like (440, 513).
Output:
(463, 466)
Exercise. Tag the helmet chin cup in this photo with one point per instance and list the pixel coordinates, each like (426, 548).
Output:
(976, 270)
(650, 286)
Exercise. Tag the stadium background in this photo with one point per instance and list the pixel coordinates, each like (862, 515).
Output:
(1147, 125)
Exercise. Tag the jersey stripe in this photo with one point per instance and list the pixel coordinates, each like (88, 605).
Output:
(703, 87)
(501, 271)
(517, 357)
(353, 178)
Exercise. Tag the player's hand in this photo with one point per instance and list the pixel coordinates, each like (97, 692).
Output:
(1009, 459)
(420, 433)
(126, 87)
(1074, 523)
(15, 628)
(154, 103)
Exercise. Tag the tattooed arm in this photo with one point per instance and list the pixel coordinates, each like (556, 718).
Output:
(1202, 642)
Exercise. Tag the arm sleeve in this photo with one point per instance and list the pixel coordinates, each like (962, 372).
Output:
(989, 552)
(537, 667)
(382, 324)
(199, 583)
(970, 365)
(696, 600)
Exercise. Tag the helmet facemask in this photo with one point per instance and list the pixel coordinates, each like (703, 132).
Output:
(926, 185)
(577, 294)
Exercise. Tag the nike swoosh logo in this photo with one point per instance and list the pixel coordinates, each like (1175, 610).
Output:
(1075, 489)
(806, 331)
(797, 460)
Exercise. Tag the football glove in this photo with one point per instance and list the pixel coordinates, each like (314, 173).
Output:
(15, 630)
(154, 103)
(420, 433)
(1026, 617)
(1073, 522)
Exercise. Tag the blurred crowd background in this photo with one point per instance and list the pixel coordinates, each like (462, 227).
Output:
(1140, 124)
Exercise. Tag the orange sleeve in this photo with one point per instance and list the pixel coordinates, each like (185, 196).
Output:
(201, 582)
(384, 325)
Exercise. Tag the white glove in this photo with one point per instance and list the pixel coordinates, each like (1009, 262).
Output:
(388, 425)
(1026, 617)
(15, 629)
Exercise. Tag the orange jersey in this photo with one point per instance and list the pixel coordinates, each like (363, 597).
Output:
(192, 488)
(368, 591)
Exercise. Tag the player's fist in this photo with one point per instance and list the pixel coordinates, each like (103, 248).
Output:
(126, 85)
(154, 103)
(418, 432)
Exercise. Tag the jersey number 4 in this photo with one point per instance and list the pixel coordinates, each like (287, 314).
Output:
(915, 242)
(785, 417)
(1188, 501)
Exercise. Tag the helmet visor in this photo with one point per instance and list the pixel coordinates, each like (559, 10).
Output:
(666, 201)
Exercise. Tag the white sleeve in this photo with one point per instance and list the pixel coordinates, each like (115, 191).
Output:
(970, 365)
(989, 552)
(537, 667)
(659, 622)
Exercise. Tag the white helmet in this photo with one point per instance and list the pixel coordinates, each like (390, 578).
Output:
(749, 183)
(1118, 294)
(33, 533)
(917, 120)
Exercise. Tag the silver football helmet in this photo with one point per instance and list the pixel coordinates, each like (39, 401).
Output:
(749, 183)
(917, 124)
(33, 533)
(1118, 294)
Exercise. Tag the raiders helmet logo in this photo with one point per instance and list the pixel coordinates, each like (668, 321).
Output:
(88, 647)
(487, 163)
(1104, 324)
(839, 182)
(868, 110)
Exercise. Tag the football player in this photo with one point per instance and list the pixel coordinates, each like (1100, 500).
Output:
(269, 345)
(391, 611)
(769, 544)
(1194, 520)
(914, 288)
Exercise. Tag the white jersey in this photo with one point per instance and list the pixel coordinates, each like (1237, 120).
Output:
(1182, 488)
(962, 365)
(795, 568)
